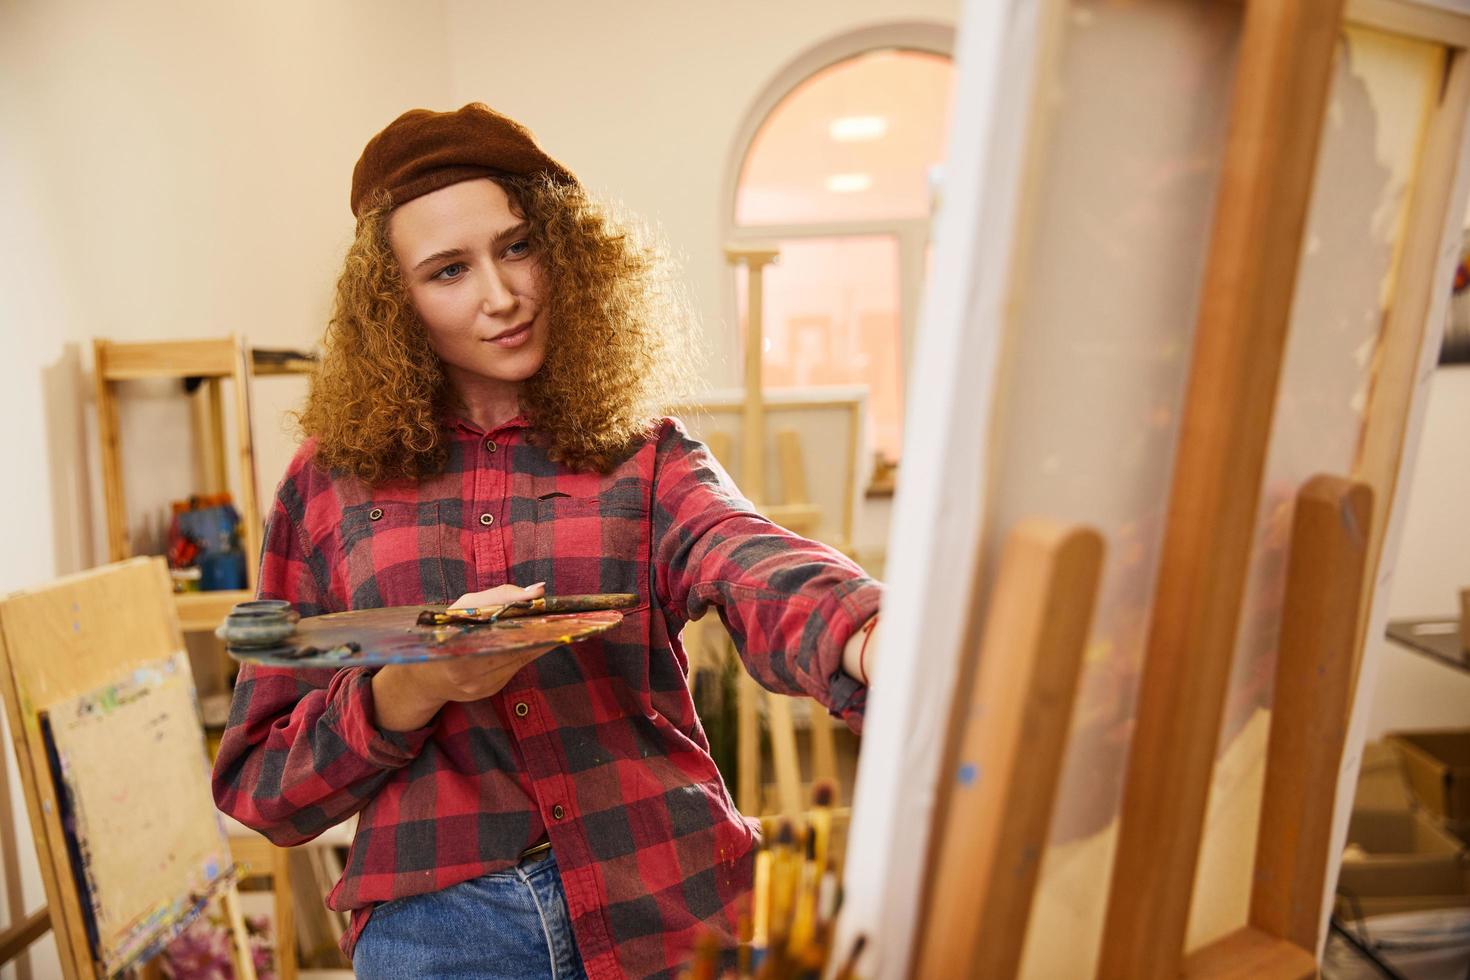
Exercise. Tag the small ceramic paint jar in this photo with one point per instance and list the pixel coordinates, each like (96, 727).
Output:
(263, 605)
(259, 623)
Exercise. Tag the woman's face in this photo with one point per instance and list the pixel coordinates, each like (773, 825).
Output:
(475, 279)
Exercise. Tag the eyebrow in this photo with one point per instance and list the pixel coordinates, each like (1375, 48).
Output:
(445, 254)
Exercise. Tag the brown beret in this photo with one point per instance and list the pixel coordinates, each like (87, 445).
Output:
(422, 151)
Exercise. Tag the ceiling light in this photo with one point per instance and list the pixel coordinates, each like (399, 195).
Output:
(854, 129)
(848, 183)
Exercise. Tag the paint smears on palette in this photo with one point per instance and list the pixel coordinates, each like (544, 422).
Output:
(413, 634)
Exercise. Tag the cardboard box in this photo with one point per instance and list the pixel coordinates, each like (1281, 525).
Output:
(1381, 781)
(1437, 764)
(1400, 861)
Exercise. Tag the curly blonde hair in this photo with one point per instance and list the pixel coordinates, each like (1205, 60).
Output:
(619, 350)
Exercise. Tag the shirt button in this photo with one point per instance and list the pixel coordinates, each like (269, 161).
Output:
(490, 446)
(557, 812)
(375, 513)
(522, 709)
(487, 519)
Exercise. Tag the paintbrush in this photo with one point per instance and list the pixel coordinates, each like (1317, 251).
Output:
(706, 958)
(804, 923)
(760, 908)
(849, 967)
(785, 873)
(824, 794)
(546, 606)
(742, 951)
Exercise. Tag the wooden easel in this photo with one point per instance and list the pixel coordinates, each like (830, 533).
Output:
(65, 641)
(796, 514)
(1012, 727)
(1284, 63)
(828, 514)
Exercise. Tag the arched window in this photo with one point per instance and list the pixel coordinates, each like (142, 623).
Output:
(835, 171)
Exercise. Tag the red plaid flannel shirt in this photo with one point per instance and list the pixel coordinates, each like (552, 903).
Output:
(595, 745)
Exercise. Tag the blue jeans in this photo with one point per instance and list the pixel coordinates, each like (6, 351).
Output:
(512, 923)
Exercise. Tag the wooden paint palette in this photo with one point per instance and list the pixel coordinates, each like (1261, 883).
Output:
(392, 635)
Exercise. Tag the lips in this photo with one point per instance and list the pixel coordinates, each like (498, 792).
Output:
(508, 334)
(515, 337)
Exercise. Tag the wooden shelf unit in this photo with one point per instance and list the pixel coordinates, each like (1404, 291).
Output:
(215, 361)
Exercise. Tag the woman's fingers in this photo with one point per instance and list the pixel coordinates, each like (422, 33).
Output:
(479, 677)
(499, 595)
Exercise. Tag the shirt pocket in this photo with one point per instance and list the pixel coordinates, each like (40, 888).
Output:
(582, 545)
(399, 553)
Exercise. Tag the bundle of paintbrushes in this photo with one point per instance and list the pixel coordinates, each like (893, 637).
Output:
(788, 934)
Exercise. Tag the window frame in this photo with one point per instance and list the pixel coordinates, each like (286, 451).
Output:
(912, 234)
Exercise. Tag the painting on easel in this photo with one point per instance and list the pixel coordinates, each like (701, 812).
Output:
(101, 709)
(136, 899)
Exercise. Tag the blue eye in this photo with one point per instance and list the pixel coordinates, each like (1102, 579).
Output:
(519, 248)
(450, 271)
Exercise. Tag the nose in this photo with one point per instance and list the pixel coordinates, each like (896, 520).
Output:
(496, 297)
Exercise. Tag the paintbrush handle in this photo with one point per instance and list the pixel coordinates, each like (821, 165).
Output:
(554, 604)
(547, 606)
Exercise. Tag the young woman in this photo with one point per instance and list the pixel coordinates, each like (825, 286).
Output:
(484, 427)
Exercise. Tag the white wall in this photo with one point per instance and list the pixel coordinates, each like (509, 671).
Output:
(644, 101)
(167, 170)
(1432, 566)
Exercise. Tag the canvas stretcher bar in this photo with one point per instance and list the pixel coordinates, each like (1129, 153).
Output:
(1006, 753)
(1281, 89)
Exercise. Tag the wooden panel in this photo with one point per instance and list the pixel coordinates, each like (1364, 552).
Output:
(783, 754)
(1007, 756)
(793, 471)
(218, 470)
(752, 443)
(16, 939)
(748, 793)
(1379, 461)
(824, 749)
(262, 364)
(1280, 93)
(206, 610)
(127, 619)
(250, 527)
(1312, 698)
(803, 519)
(114, 501)
(139, 626)
(261, 857)
(1411, 19)
(1248, 954)
(719, 446)
(67, 641)
(171, 359)
(244, 960)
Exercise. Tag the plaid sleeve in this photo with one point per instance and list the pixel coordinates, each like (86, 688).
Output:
(301, 751)
(790, 604)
